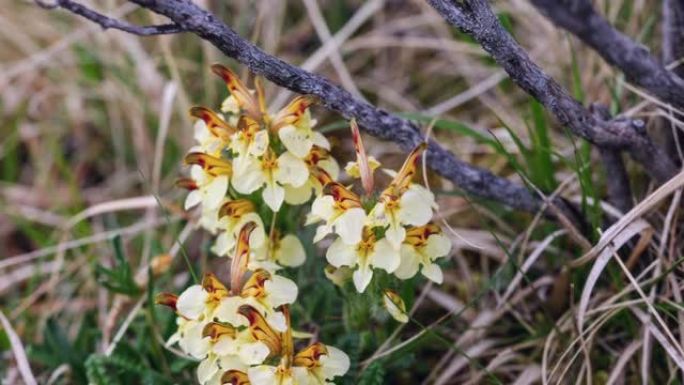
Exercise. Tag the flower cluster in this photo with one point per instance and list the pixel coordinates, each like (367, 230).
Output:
(246, 156)
(390, 232)
(243, 335)
(248, 166)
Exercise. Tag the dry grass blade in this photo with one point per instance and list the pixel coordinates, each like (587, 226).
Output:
(618, 369)
(19, 352)
(600, 264)
(638, 211)
(536, 253)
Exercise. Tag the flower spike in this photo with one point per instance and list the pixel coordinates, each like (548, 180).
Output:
(365, 170)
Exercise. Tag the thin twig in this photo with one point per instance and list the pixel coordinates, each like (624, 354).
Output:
(107, 22)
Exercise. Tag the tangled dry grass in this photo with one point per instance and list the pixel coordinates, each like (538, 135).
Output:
(94, 127)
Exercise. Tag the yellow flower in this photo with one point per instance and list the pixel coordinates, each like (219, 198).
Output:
(365, 255)
(315, 364)
(319, 364)
(267, 292)
(420, 248)
(395, 306)
(293, 118)
(272, 173)
(338, 276)
(352, 168)
(248, 142)
(195, 307)
(403, 203)
(242, 99)
(211, 132)
(279, 251)
(298, 137)
(210, 177)
(322, 169)
(341, 211)
(232, 216)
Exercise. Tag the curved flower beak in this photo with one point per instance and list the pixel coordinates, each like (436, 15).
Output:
(293, 112)
(240, 261)
(236, 208)
(254, 287)
(166, 299)
(216, 330)
(211, 164)
(237, 89)
(404, 177)
(212, 285)
(260, 330)
(217, 126)
(187, 184)
(310, 356)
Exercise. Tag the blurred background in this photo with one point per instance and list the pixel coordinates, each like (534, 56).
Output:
(94, 126)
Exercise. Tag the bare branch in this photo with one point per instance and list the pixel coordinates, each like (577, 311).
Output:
(633, 59)
(108, 22)
(476, 18)
(375, 121)
(673, 33)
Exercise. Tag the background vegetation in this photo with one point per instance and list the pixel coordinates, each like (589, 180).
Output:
(94, 127)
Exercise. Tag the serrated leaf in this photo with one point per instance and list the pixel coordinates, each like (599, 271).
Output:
(373, 375)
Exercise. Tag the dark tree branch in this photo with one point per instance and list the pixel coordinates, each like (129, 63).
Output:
(673, 33)
(107, 22)
(476, 18)
(673, 51)
(377, 122)
(634, 60)
(617, 180)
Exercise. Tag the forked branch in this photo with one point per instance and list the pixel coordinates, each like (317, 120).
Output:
(475, 17)
(107, 22)
(633, 59)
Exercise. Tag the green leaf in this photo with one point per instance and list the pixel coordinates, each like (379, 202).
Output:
(538, 158)
(118, 279)
(4, 341)
(373, 375)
